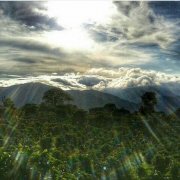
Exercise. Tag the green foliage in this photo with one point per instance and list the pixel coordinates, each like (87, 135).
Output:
(46, 143)
(56, 97)
(7, 102)
(30, 110)
(60, 141)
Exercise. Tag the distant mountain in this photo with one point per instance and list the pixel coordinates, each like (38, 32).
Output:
(129, 98)
(25, 93)
(168, 100)
(168, 103)
(90, 98)
(85, 99)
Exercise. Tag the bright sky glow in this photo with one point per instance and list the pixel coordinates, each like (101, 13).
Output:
(74, 13)
(74, 39)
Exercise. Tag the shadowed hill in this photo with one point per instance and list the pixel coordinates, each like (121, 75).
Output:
(90, 98)
(33, 93)
(168, 101)
(129, 98)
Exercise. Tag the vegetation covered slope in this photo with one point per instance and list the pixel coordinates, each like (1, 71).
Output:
(33, 93)
(54, 140)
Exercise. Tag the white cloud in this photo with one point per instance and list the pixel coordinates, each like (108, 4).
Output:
(132, 77)
(100, 79)
(132, 27)
(137, 23)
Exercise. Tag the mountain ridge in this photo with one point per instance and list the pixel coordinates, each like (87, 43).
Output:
(85, 99)
(129, 98)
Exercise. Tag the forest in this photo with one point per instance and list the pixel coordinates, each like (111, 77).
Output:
(57, 140)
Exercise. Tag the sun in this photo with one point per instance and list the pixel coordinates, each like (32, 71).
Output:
(74, 13)
(70, 40)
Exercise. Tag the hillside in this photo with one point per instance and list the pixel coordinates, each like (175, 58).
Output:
(33, 93)
(129, 98)
(168, 100)
(90, 98)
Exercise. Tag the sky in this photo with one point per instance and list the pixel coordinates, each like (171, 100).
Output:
(64, 37)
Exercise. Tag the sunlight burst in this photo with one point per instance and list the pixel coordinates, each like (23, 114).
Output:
(72, 16)
(75, 39)
(75, 13)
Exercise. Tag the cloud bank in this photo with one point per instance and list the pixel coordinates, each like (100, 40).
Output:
(111, 81)
(136, 34)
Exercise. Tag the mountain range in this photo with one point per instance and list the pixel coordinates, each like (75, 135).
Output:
(129, 98)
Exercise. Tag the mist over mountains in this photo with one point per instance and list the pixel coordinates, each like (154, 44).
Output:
(128, 98)
(85, 99)
(97, 87)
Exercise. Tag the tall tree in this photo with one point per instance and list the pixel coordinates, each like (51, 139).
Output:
(8, 103)
(148, 102)
(56, 97)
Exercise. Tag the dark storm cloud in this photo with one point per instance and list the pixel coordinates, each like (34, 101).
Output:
(33, 46)
(31, 14)
(25, 60)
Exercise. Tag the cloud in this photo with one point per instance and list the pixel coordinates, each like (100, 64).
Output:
(31, 14)
(91, 80)
(136, 35)
(30, 45)
(111, 80)
(136, 22)
(142, 25)
(132, 77)
(25, 60)
(100, 34)
(25, 51)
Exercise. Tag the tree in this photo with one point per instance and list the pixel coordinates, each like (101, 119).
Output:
(46, 142)
(8, 103)
(121, 112)
(30, 109)
(56, 97)
(177, 112)
(161, 163)
(148, 102)
(9, 111)
(80, 116)
(110, 107)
